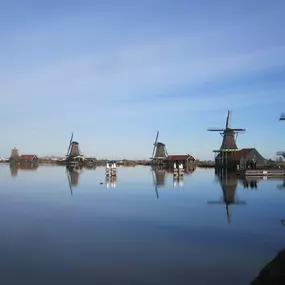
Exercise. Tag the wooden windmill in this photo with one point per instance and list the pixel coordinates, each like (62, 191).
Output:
(159, 152)
(14, 156)
(228, 146)
(73, 152)
(282, 118)
(229, 185)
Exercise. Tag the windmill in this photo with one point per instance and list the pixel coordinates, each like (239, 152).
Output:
(73, 151)
(159, 152)
(229, 185)
(14, 156)
(228, 146)
(282, 118)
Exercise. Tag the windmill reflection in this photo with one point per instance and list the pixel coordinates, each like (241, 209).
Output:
(228, 182)
(281, 186)
(73, 174)
(159, 175)
(14, 168)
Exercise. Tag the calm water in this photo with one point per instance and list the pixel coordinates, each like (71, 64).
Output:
(66, 228)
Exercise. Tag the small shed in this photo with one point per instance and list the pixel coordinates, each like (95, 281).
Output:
(185, 159)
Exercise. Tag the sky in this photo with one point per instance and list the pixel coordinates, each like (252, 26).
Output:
(114, 72)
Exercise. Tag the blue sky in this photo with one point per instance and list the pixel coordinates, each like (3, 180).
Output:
(115, 72)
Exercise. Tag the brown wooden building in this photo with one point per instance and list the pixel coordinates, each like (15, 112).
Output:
(186, 159)
(246, 155)
(28, 158)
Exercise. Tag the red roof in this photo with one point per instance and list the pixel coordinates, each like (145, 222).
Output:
(27, 157)
(241, 153)
(179, 157)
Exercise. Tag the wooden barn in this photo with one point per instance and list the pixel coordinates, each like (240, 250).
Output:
(28, 158)
(244, 157)
(186, 159)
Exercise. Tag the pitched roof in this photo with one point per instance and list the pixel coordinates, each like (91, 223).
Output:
(179, 157)
(241, 153)
(27, 156)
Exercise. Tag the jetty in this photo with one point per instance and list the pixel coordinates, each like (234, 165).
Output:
(262, 173)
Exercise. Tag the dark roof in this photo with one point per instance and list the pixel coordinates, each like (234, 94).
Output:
(242, 153)
(27, 156)
(179, 157)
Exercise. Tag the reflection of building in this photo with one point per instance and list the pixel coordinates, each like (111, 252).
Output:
(250, 183)
(14, 171)
(159, 176)
(14, 168)
(228, 182)
(187, 171)
(111, 182)
(281, 186)
(73, 177)
(178, 181)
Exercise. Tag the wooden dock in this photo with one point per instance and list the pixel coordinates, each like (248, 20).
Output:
(262, 173)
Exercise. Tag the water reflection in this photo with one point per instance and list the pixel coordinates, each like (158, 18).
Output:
(14, 169)
(73, 174)
(111, 182)
(250, 183)
(159, 175)
(228, 182)
(281, 186)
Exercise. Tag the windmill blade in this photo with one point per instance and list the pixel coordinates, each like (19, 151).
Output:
(70, 143)
(155, 185)
(153, 151)
(154, 145)
(215, 130)
(68, 150)
(238, 130)
(155, 142)
(69, 181)
(227, 121)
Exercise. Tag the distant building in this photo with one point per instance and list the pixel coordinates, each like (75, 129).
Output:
(186, 159)
(245, 155)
